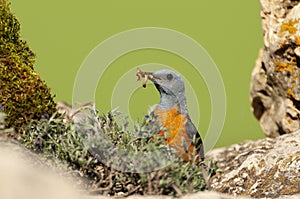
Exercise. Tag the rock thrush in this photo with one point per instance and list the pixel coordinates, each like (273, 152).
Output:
(172, 113)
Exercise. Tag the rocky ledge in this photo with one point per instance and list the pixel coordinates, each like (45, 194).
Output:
(264, 168)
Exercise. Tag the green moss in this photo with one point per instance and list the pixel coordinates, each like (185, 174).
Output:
(23, 95)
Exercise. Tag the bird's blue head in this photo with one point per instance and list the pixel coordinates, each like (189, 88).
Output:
(171, 88)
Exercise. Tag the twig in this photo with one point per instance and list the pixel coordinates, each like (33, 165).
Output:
(205, 176)
(104, 188)
(179, 193)
(132, 191)
(149, 183)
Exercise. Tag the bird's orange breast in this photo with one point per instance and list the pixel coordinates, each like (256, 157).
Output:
(175, 133)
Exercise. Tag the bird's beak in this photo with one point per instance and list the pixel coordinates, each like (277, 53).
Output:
(146, 75)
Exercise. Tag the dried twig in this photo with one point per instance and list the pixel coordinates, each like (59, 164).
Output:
(205, 176)
(149, 183)
(108, 187)
(132, 191)
(177, 190)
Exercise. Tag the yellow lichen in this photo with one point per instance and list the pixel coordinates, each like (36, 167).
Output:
(282, 44)
(290, 93)
(293, 61)
(289, 27)
(297, 40)
(281, 67)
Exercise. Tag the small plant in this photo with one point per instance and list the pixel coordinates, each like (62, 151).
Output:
(109, 175)
(54, 138)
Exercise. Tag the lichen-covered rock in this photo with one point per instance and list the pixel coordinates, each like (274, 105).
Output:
(264, 168)
(23, 95)
(275, 86)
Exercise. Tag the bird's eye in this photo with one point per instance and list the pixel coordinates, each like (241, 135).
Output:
(169, 76)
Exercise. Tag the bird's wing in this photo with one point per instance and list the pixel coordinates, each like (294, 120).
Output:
(193, 133)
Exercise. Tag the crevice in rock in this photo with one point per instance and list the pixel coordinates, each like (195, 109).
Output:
(296, 103)
(258, 107)
(280, 129)
(298, 61)
(279, 52)
(264, 92)
(263, 66)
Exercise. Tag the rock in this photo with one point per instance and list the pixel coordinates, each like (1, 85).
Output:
(73, 114)
(275, 84)
(265, 168)
(210, 195)
(23, 176)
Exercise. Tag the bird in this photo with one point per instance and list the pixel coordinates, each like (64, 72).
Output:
(172, 112)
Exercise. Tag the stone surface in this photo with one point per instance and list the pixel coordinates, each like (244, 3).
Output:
(265, 168)
(23, 175)
(275, 88)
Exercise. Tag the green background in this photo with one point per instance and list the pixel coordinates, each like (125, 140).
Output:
(62, 34)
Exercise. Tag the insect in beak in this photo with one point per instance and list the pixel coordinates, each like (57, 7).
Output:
(146, 75)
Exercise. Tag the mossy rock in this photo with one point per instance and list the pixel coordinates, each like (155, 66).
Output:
(24, 96)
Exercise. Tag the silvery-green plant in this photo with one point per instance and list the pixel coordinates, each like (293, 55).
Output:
(95, 144)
